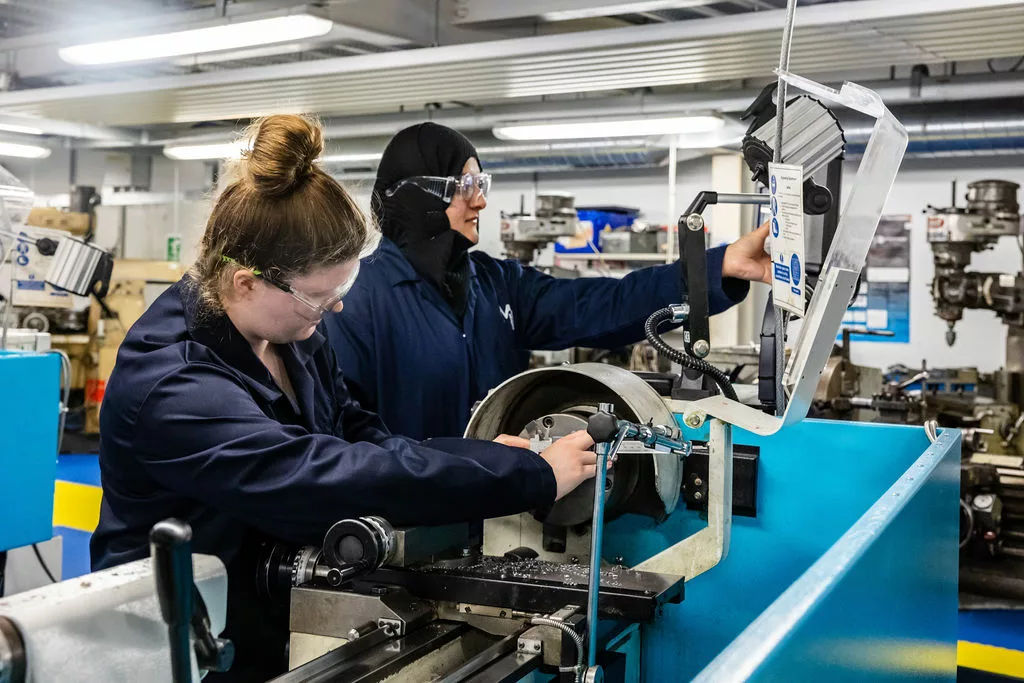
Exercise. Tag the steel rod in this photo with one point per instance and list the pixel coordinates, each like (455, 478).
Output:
(780, 315)
(597, 530)
(743, 198)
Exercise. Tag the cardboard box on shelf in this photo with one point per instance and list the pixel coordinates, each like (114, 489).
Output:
(48, 217)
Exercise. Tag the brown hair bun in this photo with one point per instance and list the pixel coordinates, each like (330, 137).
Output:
(284, 151)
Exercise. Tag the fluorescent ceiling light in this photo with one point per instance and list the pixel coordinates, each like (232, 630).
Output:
(350, 158)
(612, 9)
(13, 149)
(577, 130)
(233, 36)
(248, 53)
(224, 150)
(27, 130)
(563, 146)
(233, 150)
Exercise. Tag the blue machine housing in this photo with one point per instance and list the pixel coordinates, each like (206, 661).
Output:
(29, 412)
(848, 572)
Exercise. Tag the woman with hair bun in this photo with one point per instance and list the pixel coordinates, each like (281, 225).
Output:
(227, 409)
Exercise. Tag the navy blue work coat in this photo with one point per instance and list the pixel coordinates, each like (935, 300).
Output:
(194, 427)
(407, 356)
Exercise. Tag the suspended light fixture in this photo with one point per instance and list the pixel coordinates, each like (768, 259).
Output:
(14, 149)
(220, 150)
(226, 36)
(609, 128)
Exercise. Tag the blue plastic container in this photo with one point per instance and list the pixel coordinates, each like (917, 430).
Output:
(601, 216)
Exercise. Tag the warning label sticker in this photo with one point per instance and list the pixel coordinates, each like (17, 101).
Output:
(787, 236)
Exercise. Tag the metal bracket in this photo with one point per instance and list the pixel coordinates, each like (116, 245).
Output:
(744, 482)
(393, 628)
(530, 645)
(703, 550)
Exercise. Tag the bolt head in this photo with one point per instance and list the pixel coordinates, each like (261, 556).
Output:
(698, 495)
(701, 347)
(983, 501)
(694, 420)
(694, 222)
(698, 482)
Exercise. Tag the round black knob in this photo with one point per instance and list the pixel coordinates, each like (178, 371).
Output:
(602, 427)
(367, 541)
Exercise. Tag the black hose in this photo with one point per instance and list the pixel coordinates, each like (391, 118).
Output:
(703, 367)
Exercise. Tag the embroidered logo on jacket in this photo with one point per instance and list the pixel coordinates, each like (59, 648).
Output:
(506, 313)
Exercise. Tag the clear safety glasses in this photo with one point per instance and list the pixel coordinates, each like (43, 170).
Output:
(445, 189)
(319, 309)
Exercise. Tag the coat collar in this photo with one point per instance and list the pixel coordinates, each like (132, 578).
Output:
(215, 330)
(396, 267)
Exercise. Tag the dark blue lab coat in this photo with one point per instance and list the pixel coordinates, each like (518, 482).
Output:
(407, 356)
(194, 427)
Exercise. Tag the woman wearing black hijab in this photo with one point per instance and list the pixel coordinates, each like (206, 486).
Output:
(429, 328)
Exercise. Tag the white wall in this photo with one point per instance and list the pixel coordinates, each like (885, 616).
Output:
(980, 335)
(53, 175)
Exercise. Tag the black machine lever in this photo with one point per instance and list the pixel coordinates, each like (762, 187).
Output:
(692, 247)
(602, 426)
(181, 604)
(693, 256)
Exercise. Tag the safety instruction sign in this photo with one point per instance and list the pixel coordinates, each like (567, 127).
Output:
(883, 303)
(786, 183)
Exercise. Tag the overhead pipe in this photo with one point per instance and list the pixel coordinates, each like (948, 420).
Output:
(958, 137)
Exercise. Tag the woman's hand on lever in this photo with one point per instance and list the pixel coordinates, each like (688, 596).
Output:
(572, 461)
(745, 258)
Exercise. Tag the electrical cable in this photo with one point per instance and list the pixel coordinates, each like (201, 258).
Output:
(65, 375)
(689, 362)
(42, 563)
(576, 638)
(969, 514)
(1012, 69)
(10, 297)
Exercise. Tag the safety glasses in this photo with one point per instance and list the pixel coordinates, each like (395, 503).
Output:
(467, 186)
(319, 309)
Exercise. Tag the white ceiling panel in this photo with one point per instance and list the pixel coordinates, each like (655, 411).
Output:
(828, 38)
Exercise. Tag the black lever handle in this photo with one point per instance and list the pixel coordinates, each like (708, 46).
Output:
(170, 547)
(212, 653)
(694, 260)
(602, 426)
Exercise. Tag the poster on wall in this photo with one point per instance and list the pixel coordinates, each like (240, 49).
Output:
(883, 303)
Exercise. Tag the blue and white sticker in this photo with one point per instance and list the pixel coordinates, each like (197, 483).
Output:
(787, 236)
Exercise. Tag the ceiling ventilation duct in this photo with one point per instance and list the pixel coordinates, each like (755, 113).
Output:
(953, 138)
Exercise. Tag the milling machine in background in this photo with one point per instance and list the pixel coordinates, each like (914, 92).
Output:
(992, 498)
(524, 234)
